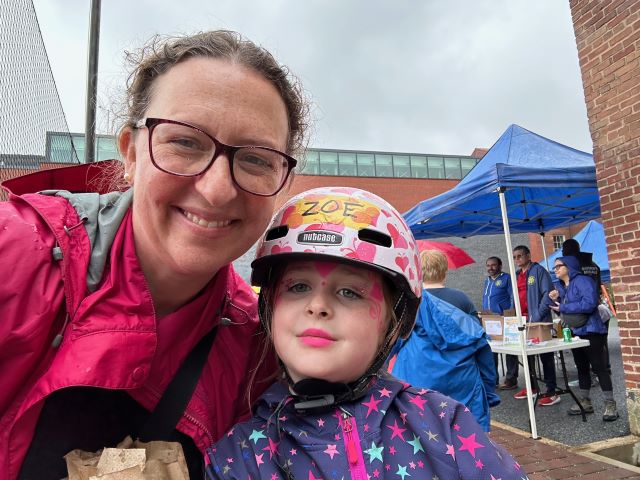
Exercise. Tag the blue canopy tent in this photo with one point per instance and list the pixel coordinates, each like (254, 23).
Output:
(591, 239)
(546, 185)
(524, 183)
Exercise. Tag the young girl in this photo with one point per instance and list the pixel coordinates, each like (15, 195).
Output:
(339, 276)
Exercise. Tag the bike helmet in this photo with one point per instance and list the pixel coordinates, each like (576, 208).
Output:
(352, 226)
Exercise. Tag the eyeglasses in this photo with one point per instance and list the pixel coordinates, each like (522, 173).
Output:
(181, 149)
(560, 265)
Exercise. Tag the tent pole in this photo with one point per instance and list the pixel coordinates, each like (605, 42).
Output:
(544, 251)
(516, 303)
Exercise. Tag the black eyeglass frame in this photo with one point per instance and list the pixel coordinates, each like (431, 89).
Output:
(560, 265)
(151, 123)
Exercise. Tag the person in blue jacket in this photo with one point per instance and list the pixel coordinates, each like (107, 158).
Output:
(338, 271)
(448, 351)
(534, 285)
(497, 294)
(497, 297)
(576, 293)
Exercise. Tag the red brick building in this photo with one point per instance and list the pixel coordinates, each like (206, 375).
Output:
(608, 40)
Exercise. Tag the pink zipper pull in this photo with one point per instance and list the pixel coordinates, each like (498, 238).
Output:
(352, 454)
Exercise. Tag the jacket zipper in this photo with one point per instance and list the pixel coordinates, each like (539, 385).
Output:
(199, 425)
(351, 440)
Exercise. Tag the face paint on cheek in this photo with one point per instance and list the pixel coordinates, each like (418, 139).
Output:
(376, 290)
(325, 268)
(377, 299)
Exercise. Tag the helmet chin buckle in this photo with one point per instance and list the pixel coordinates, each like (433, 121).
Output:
(315, 403)
(314, 394)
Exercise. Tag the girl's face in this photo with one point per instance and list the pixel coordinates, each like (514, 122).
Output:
(329, 320)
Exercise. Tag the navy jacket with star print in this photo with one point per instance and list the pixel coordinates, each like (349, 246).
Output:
(395, 431)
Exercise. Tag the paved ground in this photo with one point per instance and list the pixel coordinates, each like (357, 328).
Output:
(548, 460)
(554, 423)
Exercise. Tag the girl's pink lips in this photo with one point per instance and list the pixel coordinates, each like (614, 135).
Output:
(316, 332)
(315, 337)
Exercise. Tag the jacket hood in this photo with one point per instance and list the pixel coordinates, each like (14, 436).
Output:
(573, 264)
(447, 327)
(101, 212)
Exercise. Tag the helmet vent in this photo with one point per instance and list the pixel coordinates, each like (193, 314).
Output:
(375, 237)
(277, 232)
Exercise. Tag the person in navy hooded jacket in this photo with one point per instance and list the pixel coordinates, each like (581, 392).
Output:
(577, 294)
(339, 277)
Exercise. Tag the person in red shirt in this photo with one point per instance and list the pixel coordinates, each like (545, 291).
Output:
(534, 285)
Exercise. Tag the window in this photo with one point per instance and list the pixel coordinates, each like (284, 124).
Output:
(452, 168)
(106, 148)
(347, 164)
(384, 166)
(418, 166)
(436, 167)
(558, 240)
(328, 163)
(60, 149)
(311, 166)
(401, 167)
(366, 165)
(466, 165)
(78, 143)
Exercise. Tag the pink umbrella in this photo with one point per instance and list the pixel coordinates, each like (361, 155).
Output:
(456, 256)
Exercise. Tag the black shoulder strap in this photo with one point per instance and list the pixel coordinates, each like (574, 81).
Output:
(163, 420)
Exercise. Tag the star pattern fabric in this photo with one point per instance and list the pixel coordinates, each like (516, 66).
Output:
(394, 431)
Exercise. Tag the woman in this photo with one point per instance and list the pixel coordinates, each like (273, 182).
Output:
(109, 294)
(577, 294)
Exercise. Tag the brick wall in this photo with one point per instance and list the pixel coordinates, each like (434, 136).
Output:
(608, 40)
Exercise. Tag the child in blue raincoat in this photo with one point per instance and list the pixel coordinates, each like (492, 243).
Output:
(340, 283)
(453, 355)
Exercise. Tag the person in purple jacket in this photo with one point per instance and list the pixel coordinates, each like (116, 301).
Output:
(339, 276)
(577, 293)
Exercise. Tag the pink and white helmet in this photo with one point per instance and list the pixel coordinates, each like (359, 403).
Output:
(349, 225)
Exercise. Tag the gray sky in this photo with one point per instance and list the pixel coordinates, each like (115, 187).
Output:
(427, 76)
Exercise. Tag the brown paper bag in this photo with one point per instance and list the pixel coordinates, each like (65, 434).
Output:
(129, 461)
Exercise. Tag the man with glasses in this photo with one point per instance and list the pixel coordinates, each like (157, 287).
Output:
(534, 285)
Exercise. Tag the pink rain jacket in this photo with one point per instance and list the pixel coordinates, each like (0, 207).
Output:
(111, 338)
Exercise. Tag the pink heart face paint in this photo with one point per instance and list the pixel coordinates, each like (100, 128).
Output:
(324, 317)
(377, 301)
(325, 268)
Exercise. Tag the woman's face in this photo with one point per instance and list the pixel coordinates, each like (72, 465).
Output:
(192, 226)
(561, 270)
